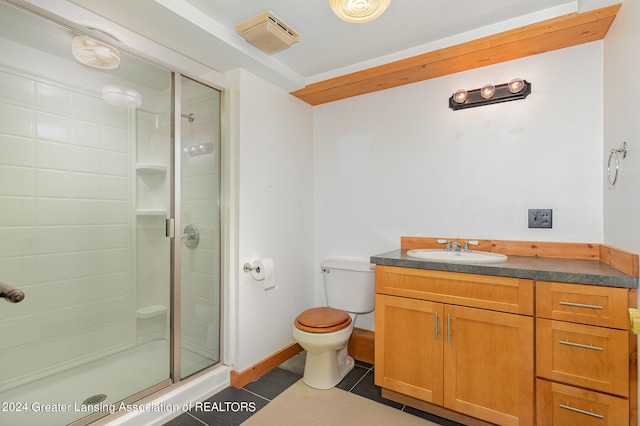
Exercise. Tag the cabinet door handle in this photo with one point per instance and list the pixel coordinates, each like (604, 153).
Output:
(581, 305)
(435, 314)
(580, 345)
(448, 327)
(577, 410)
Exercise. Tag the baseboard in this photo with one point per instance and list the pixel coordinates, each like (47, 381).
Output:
(361, 348)
(240, 379)
(362, 345)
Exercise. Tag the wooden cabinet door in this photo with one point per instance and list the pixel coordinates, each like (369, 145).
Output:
(488, 365)
(408, 347)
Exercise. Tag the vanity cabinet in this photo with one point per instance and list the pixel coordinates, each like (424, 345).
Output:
(460, 341)
(585, 355)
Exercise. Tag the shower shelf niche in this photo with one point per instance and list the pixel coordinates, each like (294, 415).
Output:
(151, 311)
(151, 212)
(151, 168)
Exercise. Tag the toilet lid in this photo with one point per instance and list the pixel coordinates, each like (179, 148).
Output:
(322, 320)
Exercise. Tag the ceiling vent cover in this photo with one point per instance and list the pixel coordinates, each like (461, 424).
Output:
(267, 32)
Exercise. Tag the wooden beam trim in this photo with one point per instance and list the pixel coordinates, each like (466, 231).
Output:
(565, 31)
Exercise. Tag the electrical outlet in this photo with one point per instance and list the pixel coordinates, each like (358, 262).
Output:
(540, 218)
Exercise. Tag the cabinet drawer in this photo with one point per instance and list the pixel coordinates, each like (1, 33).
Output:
(594, 305)
(559, 404)
(510, 295)
(583, 355)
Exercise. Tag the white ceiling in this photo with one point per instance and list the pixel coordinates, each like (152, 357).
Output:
(204, 30)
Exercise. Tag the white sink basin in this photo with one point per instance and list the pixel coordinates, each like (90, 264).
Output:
(439, 255)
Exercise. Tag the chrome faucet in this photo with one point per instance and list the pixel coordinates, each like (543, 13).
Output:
(456, 246)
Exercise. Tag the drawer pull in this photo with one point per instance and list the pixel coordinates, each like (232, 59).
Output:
(577, 410)
(580, 345)
(581, 305)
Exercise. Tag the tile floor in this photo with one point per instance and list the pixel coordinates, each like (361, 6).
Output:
(281, 398)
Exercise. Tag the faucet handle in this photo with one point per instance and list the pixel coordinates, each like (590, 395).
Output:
(448, 244)
(470, 243)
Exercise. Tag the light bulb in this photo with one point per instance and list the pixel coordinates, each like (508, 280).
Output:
(516, 85)
(460, 96)
(487, 91)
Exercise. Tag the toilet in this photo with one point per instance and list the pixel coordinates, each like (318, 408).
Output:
(325, 331)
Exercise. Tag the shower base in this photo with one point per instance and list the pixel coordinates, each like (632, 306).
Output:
(58, 399)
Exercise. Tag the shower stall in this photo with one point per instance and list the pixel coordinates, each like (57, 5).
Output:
(110, 226)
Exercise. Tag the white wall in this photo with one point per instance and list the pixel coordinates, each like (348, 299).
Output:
(621, 62)
(400, 162)
(621, 94)
(275, 211)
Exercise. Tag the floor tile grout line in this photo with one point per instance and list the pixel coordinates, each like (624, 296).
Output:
(259, 396)
(359, 380)
(206, 424)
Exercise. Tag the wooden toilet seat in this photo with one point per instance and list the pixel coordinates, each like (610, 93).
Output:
(322, 320)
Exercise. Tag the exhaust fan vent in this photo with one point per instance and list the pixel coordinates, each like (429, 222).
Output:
(267, 32)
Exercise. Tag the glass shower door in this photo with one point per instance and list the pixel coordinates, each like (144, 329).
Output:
(199, 226)
(84, 194)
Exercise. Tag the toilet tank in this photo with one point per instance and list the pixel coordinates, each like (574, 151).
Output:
(349, 285)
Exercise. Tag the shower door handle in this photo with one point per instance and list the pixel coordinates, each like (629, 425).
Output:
(11, 294)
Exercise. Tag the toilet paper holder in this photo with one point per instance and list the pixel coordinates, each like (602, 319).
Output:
(248, 268)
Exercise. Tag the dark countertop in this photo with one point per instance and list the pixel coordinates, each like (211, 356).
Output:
(534, 268)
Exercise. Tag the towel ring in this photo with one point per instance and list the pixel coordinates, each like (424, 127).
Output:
(614, 154)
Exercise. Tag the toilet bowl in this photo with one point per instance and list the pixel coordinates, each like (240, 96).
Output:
(324, 332)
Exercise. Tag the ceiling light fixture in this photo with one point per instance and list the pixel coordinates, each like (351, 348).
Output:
(94, 53)
(358, 11)
(490, 94)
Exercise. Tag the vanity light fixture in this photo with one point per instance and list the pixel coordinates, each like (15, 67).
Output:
(490, 94)
(94, 53)
(359, 11)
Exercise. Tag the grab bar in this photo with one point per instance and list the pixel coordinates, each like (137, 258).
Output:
(11, 294)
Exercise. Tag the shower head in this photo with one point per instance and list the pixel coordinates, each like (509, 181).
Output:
(190, 117)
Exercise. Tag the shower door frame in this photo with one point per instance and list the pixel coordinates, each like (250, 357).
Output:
(175, 220)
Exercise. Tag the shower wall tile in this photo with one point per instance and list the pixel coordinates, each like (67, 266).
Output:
(54, 99)
(115, 139)
(53, 211)
(85, 185)
(115, 116)
(16, 211)
(17, 121)
(85, 160)
(54, 239)
(86, 133)
(53, 127)
(53, 155)
(16, 181)
(17, 90)
(114, 188)
(114, 212)
(115, 236)
(85, 107)
(16, 151)
(115, 163)
(53, 183)
(17, 241)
